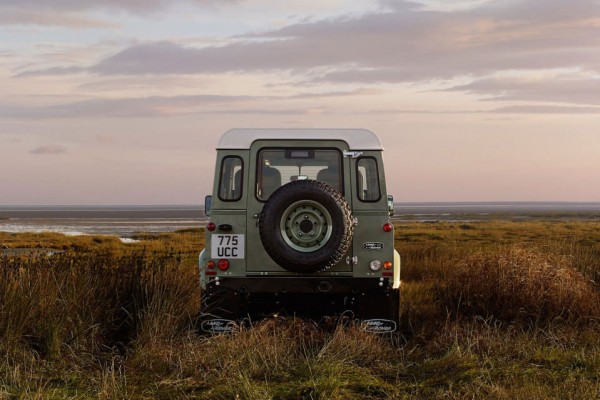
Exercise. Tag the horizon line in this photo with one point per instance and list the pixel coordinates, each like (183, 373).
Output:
(201, 205)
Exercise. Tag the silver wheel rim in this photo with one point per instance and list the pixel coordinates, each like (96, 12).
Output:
(306, 226)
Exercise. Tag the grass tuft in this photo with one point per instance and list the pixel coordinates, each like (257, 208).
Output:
(519, 285)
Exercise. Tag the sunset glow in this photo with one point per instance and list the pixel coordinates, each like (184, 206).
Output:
(123, 101)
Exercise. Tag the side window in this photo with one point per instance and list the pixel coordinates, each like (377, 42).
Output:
(367, 178)
(230, 181)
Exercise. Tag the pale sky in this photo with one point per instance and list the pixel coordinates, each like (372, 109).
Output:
(123, 101)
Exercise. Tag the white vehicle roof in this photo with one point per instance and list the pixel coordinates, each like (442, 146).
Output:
(357, 139)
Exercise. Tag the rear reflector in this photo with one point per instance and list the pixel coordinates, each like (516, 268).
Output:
(210, 273)
(375, 265)
(387, 273)
(388, 227)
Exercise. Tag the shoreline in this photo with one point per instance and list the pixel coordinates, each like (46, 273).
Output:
(124, 221)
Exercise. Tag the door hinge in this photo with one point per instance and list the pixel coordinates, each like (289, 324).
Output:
(353, 154)
(352, 260)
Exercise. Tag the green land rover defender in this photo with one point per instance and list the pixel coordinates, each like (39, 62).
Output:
(299, 225)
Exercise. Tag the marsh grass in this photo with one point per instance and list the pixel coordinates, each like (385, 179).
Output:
(498, 310)
(519, 285)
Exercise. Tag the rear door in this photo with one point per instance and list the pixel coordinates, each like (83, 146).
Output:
(273, 164)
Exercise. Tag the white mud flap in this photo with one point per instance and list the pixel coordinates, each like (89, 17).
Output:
(219, 326)
(379, 325)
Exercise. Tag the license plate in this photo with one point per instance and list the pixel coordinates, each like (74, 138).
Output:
(227, 246)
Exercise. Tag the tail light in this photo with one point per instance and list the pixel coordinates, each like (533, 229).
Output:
(387, 227)
(211, 226)
(387, 265)
(223, 265)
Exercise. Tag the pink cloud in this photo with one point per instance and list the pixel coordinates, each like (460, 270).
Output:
(49, 149)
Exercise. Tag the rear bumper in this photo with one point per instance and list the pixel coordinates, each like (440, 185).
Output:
(321, 285)
(313, 297)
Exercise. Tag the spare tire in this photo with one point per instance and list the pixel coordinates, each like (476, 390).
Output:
(306, 226)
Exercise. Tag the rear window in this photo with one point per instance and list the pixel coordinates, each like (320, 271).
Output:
(276, 167)
(230, 181)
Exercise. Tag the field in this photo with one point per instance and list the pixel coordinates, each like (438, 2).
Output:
(495, 309)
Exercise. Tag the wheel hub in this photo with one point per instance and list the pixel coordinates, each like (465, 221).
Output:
(306, 226)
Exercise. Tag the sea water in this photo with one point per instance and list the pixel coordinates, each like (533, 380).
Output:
(125, 221)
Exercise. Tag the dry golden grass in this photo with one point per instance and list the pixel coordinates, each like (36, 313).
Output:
(498, 310)
(519, 284)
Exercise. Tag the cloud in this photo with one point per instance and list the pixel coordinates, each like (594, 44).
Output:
(70, 13)
(159, 106)
(165, 106)
(127, 107)
(49, 149)
(54, 71)
(171, 58)
(561, 88)
(11, 16)
(350, 93)
(405, 44)
(545, 109)
(135, 6)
